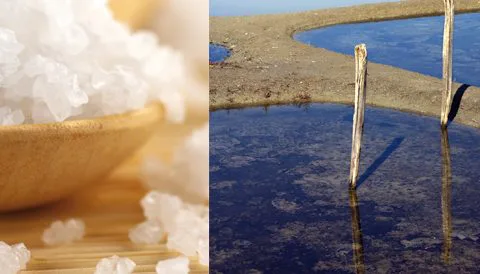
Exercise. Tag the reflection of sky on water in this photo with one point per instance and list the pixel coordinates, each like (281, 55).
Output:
(280, 202)
(217, 53)
(412, 44)
(252, 7)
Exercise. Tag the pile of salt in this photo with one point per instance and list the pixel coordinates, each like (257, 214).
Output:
(186, 225)
(189, 168)
(78, 62)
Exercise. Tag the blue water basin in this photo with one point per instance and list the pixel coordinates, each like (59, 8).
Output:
(280, 201)
(218, 53)
(411, 44)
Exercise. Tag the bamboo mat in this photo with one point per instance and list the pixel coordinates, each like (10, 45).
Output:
(109, 208)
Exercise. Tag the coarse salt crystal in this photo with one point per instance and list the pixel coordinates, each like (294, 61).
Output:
(148, 232)
(9, 117)
(179, 265)
(115, 265)
(203, 251)
(189, 229)
(161, 207)
(64, 232)
(189, 168)
(50, 72)
(13, 258)
(186, 225)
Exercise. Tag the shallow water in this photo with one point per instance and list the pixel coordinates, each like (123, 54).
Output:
(280, 201)
(412, 44)
(218, 53)
(254, 7)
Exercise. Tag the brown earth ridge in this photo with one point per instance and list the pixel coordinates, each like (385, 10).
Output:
(268, 66)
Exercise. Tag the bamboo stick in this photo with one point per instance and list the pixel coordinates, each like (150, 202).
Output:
(446, 197)
(447, 61)
(357, 245)
(358, 117)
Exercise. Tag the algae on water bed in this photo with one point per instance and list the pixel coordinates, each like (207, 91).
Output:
(279, 182)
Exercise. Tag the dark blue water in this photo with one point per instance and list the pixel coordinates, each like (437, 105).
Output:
(412, 44)
(280, 201)
(253, 7)
(218, 53)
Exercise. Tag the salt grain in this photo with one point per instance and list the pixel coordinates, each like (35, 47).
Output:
(64, 232)
(190, 167)
(9, 117)
(78, 62)
(13, 258)
(179, 265)
(115, 265)
(148, 232)
(186, 225)
(203, 251)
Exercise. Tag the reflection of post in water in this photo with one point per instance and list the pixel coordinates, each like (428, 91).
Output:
(357, 244)
(265, 108)
(446, 197)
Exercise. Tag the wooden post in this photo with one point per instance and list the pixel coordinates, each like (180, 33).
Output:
(446, 197)
(447, 61)
(357, 245)
(358, 116)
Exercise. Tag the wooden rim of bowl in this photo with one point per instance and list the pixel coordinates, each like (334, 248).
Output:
(150, 114)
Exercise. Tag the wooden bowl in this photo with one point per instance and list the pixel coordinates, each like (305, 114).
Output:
(135, 13)
(46, 162)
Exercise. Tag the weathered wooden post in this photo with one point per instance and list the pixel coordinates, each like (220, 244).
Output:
(447, 61)
(446, 197)
(357, 245)
(358, 116)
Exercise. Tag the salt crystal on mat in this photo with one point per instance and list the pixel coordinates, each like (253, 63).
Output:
(73, 60)
(179, 265)
(203, 251)
(188, 230)
(64, 232)
(187, 225)
(190, 167)
(13, 258)
(148, 232)
(115, 265)
(161, 207)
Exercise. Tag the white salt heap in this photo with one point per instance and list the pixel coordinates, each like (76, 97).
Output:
(191, 22)
(13, 258)
(186, 224)
(189, 168)
(64, 232)
(115, 265)
(177, 265)
(78, 62)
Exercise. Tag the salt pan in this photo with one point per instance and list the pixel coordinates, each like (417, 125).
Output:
(64, 232)
(115, 265)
